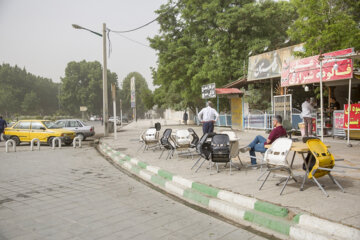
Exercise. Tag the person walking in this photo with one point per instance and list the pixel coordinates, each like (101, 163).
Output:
(306, 109)
(208, 116)
(185, 117)
(3, 125)
(258, 144)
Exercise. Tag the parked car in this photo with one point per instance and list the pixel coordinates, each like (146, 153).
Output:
(79, 127)
(111, 119)
(44, 130)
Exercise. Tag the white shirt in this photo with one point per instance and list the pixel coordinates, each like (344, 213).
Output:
(208, 114)
(306, 109)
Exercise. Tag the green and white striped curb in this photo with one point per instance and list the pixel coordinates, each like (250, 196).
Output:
(234, 206)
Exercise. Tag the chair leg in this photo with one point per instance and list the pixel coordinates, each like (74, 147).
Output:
(196, 163)
(303, 182)
(286, 182)
(265, 179)
(200, 165)
(259, 178)
(169, 153)
(240, 161)
(336, 182)
(217, 167)
(140, 147)
(319, 185)
(162, 153)
(230, 166)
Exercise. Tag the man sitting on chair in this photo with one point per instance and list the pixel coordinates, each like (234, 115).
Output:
(258, 144)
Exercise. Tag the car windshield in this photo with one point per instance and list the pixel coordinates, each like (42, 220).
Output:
(51, 125)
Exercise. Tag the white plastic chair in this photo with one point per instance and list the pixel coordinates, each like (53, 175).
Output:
(151, 138)
(275, 158)
(182, 138)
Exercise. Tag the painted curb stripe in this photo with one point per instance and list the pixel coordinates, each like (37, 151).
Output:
(278, 226)
(191, 194)
(226, 210)
(336, 229)
(271, 209)
(173, 188)
(305, 234)
(205, 189)
(142, 165)
(152, 169)
(242, 201)
(145, 175)
(158, 180)
(165, 174)
(182, 181)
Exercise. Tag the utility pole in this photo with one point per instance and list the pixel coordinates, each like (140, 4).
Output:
(105, 93)
(113, 93)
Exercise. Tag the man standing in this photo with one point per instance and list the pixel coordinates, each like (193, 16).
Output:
(258, 144)
(208, 116)
(3, 125)
(185, 117)
(306, 109)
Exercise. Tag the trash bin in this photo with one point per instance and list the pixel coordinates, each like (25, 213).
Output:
(302, 128)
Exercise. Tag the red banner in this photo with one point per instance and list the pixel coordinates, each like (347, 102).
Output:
(354, 116)
(339, 120)
(307, 70)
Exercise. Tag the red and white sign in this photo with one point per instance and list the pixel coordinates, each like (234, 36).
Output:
(354, 116)
(307, 70)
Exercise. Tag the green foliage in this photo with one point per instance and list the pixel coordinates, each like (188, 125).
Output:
(144, 96)
(24, 93)
(206, 41)
(82, 86)
(258, 96)
(326, 25)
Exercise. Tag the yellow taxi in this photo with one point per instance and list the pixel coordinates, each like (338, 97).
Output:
(44, 130)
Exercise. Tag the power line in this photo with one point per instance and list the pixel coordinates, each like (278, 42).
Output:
(132, 40)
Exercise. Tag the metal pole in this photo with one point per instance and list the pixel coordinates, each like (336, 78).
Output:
(217, 103)
(349, 101)
(105, 93)
(115, 119)
(272, 95)
(321, 105)
(120, 112)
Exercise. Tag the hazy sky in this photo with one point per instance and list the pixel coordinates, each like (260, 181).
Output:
(37, 35)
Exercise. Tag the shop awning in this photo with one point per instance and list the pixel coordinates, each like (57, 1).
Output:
(224, 91)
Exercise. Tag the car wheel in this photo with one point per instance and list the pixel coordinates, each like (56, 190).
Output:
(81, 136)
(49, 141)
(16, 139)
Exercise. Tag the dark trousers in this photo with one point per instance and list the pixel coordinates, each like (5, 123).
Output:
(308, 126)
(208, 127)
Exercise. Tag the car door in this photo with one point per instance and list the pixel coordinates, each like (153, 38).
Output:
(38, 131)
(73, 125)
(22, 130)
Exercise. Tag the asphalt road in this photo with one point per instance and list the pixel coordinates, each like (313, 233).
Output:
(76, 194)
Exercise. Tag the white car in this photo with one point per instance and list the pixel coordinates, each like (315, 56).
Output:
(79, 127)
(111, 119)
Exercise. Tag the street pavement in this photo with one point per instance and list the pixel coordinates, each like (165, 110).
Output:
(338, 207)
(76, 194)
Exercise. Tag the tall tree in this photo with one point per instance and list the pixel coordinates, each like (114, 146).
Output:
(24, 93)
(144, 97)
(326, 25)
(82, 86)
(205, 41)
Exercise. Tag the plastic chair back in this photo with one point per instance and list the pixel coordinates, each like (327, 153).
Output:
(277, 153)
(157, 126)
(220, 148)
(150, 134)
(195, 137)
(165, 139)
(323, 157)
(182, 137)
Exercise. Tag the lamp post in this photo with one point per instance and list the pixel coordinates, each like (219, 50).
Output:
(105, 93)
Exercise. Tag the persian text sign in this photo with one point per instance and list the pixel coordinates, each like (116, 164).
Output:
(268, 65)
(307, 70)
(354, 116)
